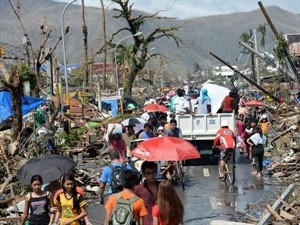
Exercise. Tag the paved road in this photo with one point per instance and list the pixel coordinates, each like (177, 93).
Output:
(206, 198)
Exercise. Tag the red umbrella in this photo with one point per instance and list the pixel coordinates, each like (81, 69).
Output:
(165, 148)
(254, 103)
(156, 108)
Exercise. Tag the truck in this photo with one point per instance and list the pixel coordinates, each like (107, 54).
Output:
(201, 130)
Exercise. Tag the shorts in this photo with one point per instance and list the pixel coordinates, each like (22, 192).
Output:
(224, 153)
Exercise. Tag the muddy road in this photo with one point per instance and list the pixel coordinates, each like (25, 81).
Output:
(206, 198)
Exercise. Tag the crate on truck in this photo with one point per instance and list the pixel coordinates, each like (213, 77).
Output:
(201, 129)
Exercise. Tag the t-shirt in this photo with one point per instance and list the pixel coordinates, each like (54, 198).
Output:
(149, 199)
(67, 207)
(139, 209)
(80, 190)
(239, 127)
(257, 139)
(120, 146)
(264, 127)
(146, 135)
(106, 175)
(155, 213)
(227, 104)
(226, 138)
(180, 103)
(174, 133)
(127, 139)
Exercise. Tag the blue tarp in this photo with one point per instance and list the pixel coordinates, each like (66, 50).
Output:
(113, 103)
(28, 103)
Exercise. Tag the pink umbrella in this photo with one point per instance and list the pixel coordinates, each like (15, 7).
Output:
(156, 108)
(171, 93)
(254, 103)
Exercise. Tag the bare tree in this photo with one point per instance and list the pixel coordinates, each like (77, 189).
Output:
(140, 51)
(85, 44)
(105, 41)
(40, 57)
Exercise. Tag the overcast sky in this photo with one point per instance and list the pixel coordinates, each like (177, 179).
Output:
(184, 9)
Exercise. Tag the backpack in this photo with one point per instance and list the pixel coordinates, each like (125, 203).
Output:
(116, 184)
(123, 211)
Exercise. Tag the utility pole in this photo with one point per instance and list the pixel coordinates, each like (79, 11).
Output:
(256, 59)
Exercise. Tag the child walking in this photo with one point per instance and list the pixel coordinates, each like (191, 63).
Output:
(39, 202)
(264, 125)
(169, 209)
(71, 204)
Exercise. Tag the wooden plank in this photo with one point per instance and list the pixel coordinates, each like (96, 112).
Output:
(273, 212)
(10, 218)
(276, 206)
(286, 215)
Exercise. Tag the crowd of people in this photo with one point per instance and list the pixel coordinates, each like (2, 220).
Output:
(145, 200)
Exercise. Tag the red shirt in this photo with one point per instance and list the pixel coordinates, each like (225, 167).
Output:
(226, 138)
(155, 213)
(227, 104)
(144, 193)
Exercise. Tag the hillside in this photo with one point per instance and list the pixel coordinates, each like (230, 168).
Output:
(219, 34)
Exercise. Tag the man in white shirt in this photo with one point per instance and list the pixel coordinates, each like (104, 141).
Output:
(182, 106)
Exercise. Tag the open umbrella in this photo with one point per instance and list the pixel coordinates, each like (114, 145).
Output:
(133, 122)
(49, 167)
(156, 108)
(165, 148)
(254, 103)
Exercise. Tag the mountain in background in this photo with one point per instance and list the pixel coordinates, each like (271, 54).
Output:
(218, 34)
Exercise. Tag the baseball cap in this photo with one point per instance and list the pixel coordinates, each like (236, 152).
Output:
(160, 128)
(224, 123)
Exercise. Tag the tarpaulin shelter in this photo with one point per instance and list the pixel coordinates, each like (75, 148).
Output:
(6, 110)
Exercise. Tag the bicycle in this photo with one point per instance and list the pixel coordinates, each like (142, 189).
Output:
(175, 170)
(229, 167)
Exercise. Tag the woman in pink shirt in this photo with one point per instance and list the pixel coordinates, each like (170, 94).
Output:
(169, 209)
(117, 143)
(240, 133)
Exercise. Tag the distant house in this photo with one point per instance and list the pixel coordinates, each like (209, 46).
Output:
(294, 43)
(224, 71)
(294, 47)
(98, 68)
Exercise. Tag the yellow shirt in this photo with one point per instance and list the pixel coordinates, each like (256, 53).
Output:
(264, 127)
(68, 211)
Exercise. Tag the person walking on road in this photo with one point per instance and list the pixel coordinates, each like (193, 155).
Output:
(71, 205)
(106, 176)
(116, 142)
(39, 202)
(148, 189)
(257, 141)
(169, 209)
(225, 138)
(128, 179)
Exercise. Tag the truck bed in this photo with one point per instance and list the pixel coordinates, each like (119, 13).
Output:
(203, 126)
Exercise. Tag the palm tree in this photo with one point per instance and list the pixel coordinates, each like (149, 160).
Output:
(125, 61)
(245, 37)
(262, 30)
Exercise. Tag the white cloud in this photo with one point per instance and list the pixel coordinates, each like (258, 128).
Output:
(197, 8)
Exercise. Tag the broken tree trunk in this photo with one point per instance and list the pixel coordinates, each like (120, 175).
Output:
(246, 78)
